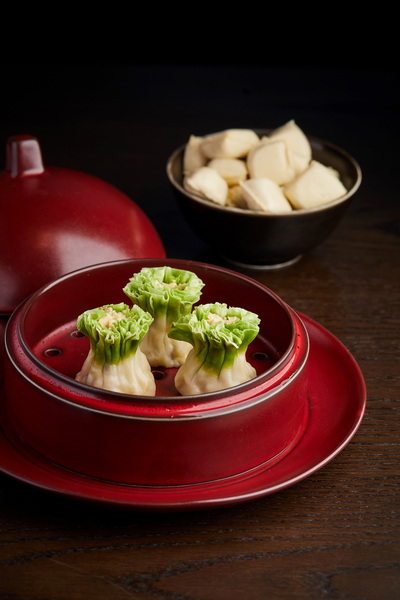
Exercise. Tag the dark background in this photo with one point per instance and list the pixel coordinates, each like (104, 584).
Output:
(121, 120)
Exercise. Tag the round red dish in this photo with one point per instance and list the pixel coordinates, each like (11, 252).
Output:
(168, 440)
(335, 413)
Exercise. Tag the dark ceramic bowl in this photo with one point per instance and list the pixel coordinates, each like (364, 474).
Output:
(256, 239)
(166, 440)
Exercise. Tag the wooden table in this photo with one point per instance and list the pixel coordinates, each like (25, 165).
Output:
(334, 534)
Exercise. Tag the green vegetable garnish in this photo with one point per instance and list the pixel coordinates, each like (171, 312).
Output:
(167, 294)
(115, 360)
(220, 336)
(114, 330)
(164, 291)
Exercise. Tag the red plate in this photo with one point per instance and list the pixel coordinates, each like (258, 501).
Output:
(337, 399)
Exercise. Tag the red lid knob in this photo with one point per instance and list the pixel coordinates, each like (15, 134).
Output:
(24, 156)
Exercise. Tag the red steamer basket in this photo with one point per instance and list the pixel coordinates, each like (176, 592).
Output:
(166, 440)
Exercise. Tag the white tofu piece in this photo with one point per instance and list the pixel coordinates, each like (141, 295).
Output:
(270, 160)
(207, 182)
(231, 143)
(265, 195)
(232, 170)
(294, 138)
(316, 186)
(193, 157)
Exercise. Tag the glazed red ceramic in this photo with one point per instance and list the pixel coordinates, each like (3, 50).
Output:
(53, 221)
(335, 412)
(167, 440)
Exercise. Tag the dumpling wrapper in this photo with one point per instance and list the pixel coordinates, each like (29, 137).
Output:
(235, 197)
(220, 336)
(316, 186)
(207, 182)
(232, 170)
(270, 160)
(115, 360)
(193, 157)
(231, 143)
(166, 294)
(298, 162)
(294, 138)
(265, 195)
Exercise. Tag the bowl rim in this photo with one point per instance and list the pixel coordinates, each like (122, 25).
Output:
(122, 405)
(251, 213)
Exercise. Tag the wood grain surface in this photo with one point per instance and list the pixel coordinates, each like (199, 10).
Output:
(333, 536)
